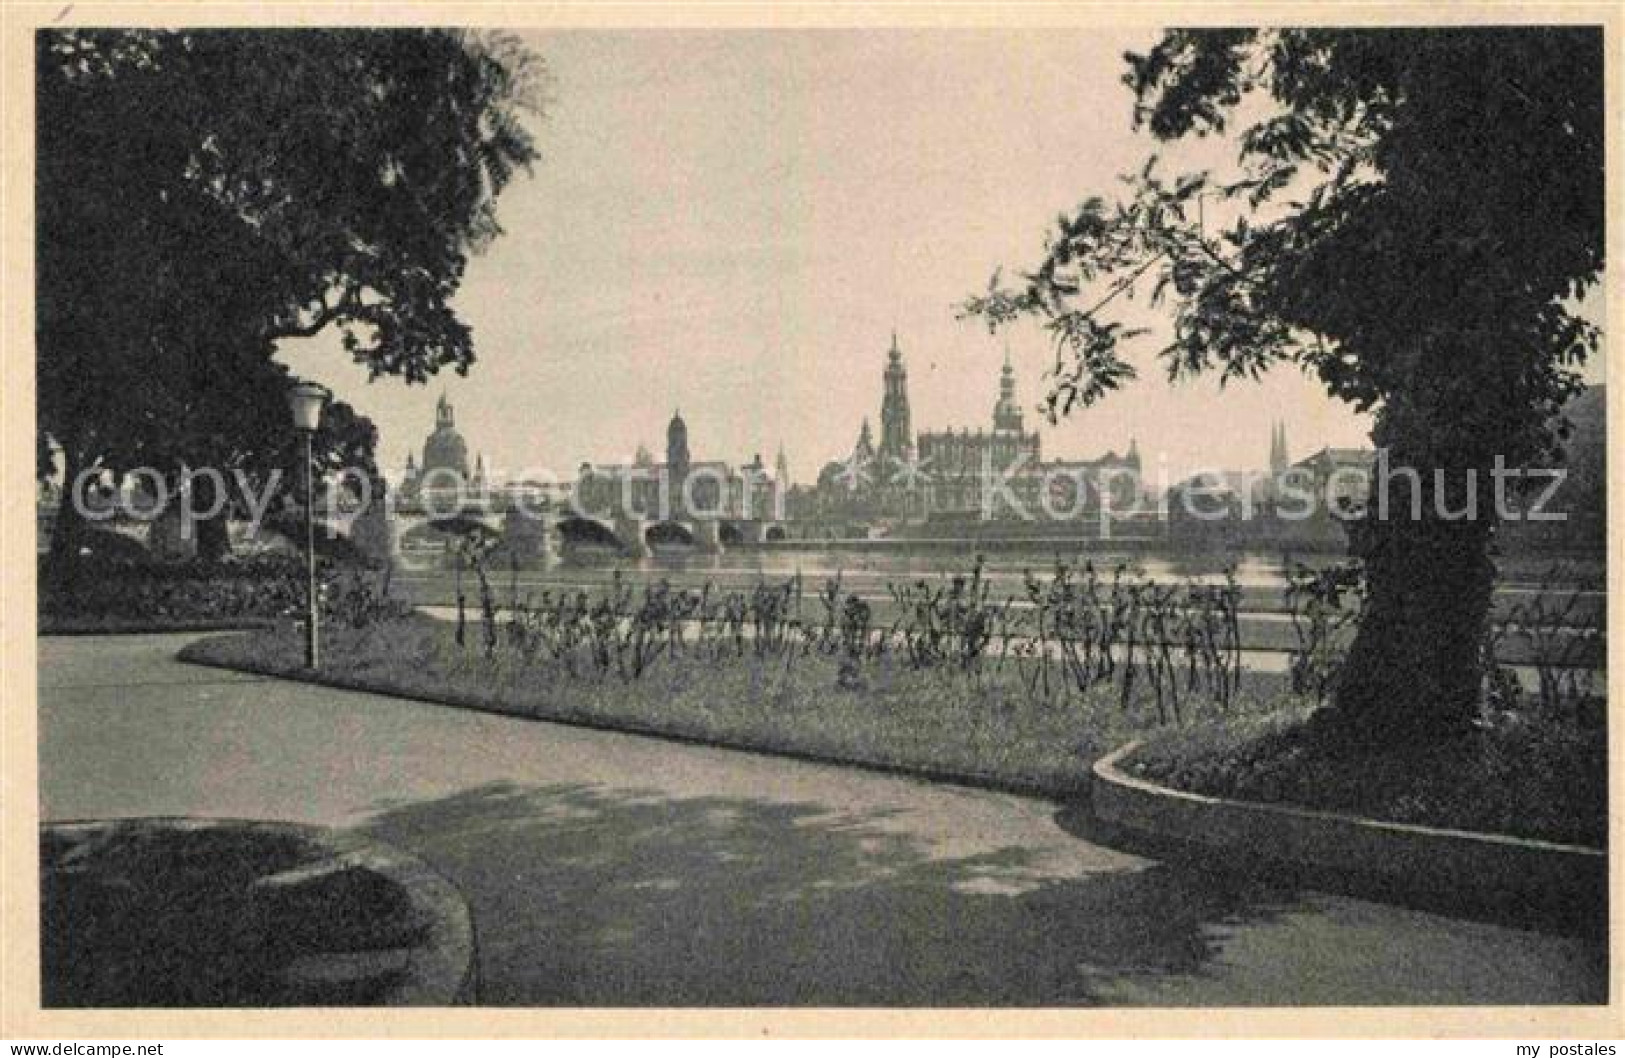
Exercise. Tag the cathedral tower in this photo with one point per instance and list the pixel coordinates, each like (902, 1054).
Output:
(1279, 461)
(1007, 413)
(677, 459)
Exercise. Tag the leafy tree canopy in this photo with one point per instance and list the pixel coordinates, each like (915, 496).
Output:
(202, 195)
(1412, 208)
(1412, 219)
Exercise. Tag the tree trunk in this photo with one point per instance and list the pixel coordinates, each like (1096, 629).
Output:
(213, 534)
(1415, 669)
(67, 531)
(213, 539)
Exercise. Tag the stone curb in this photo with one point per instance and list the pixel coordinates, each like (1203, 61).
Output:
(1428, 861)
(440, 969)
(136, 626)
(443, 969)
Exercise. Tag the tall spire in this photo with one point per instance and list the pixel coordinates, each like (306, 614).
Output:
(1006, 412)
(1279, 459)
(896, 433)
(677, 456)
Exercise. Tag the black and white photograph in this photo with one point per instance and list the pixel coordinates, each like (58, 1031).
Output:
(991, 516)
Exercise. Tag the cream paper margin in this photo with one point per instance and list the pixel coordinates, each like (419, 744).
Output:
(20, 1015)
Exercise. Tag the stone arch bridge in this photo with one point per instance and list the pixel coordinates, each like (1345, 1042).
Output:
(407, 527)
(537, 534)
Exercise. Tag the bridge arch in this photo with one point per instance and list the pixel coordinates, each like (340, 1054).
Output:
(668, 533)
(421, 534)
(587, 532)
(435, 532)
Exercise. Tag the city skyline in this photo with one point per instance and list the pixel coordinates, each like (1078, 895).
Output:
(734, 223)
(732, 240)
(739, 635)
(419, 457)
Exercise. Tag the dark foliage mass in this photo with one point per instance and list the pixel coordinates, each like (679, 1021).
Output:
(114, 592)
(1411, 222)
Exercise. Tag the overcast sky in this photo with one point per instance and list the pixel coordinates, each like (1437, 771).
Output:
(733, 223)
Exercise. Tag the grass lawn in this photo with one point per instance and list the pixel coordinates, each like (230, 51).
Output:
(1539, 779)
(1520, 775)
(934, 721)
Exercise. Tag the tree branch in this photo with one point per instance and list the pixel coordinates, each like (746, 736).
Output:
(327, 315)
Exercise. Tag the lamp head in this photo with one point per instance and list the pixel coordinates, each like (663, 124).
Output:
(305, 401)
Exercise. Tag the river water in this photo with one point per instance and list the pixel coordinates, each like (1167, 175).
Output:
(873, 569)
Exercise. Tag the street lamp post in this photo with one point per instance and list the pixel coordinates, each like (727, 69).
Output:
(306, 400)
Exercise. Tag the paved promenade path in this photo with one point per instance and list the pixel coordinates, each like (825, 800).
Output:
(610, 869)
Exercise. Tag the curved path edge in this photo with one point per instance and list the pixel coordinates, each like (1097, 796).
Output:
(1425, 861)
(135, 626)
(1038, 788)
(441, 969)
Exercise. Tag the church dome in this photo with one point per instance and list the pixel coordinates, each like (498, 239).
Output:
(445, 448)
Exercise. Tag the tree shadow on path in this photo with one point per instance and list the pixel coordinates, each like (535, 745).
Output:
(584, 895)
